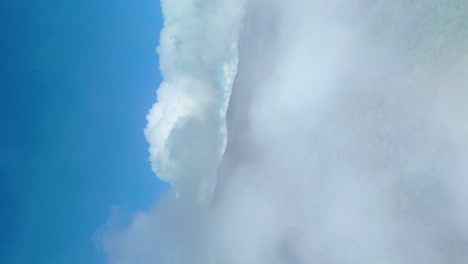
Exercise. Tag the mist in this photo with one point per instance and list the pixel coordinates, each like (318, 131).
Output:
(345, 138)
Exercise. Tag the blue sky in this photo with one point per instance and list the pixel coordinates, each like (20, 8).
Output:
(78, 78)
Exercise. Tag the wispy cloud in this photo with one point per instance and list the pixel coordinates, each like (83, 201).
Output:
(346, 135)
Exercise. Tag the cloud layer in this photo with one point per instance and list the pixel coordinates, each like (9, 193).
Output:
(346, 135)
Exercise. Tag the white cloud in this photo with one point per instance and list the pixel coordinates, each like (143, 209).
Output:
(196, 41)
(346, 135)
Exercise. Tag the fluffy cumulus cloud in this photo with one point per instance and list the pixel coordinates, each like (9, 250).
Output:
(344, 138)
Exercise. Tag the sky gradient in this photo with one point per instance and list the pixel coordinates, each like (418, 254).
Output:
(78, 78)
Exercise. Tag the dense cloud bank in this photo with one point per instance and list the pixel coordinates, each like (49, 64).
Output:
(347, 135)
